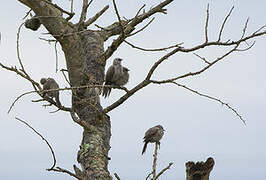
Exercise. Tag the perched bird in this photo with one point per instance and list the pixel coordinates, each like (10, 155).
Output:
(116, 75)
(153, 134)
(49, 84)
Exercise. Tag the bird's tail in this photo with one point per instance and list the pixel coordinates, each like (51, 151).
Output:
(144, 147)
(106, 91)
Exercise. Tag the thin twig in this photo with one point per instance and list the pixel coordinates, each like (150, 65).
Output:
(202, 58)
(119, 19)
(50, 147)
(206, 25)
(245, 28)
(14, 69)
(163, 170)
(27, 14)
(25, 74)
(48, 40)
(56, 56)
(71, 14)
(213, 98)
(63, 72)
(247, 48)
(140, 10)
(209, 97)
(116, 176)
(18, 52)
(157, 49)
(71, 6)
(83, 12)
(95, 17)
(260, 29)
(144, 27)
(63, 89)
(13, 104)
(131, 27)
(222, 28)
(58, 169)
(148, 176)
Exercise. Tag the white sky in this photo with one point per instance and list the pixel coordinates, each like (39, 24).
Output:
(196, 127)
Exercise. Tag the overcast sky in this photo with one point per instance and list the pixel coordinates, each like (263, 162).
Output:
(196, 127)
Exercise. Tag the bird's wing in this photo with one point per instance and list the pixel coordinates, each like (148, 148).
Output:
(46, 86)
(53, 83)
(151, 132)
(109, 74)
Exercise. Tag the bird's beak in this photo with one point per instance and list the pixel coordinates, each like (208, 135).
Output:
(120, 60)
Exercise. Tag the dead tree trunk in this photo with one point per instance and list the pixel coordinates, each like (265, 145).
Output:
(199, 170)
(83, 52)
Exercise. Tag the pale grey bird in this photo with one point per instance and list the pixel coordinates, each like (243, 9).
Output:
(116, 75)
(49, 84)
(153, 135)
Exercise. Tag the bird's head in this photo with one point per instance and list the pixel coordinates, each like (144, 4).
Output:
(161, 127)
(43, 81)
(117, 61)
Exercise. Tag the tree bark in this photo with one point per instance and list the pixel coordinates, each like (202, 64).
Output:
(199, 170)
(83, 51)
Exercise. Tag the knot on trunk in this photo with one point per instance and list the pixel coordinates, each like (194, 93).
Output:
(33, 23)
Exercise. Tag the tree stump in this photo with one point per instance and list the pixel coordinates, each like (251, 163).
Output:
(199, 170)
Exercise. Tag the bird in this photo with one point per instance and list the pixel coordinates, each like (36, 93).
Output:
(49, 84)
(153, 135)
(116, 75)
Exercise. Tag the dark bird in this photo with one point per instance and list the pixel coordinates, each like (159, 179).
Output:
(49, 84)
(116, 75)
(153, 135)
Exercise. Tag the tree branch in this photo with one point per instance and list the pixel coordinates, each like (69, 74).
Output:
(83, 12)
(95, 17)
(44, 8)
(34, 84)
(148, 80)
(58, 169)
(116, 176)
(163, 170)
(71, 14)
(40, 92)
(50, 147)
(209, 97)
(131, 26)
(126, 96)
(207, 23)
(119, 19)
(222, 28)
(157, 49)
(144, 27)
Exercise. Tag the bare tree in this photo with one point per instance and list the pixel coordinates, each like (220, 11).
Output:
(86, 59)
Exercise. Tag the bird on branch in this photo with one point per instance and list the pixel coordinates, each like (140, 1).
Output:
(116, 75)
(49, 84)
(153, 135)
